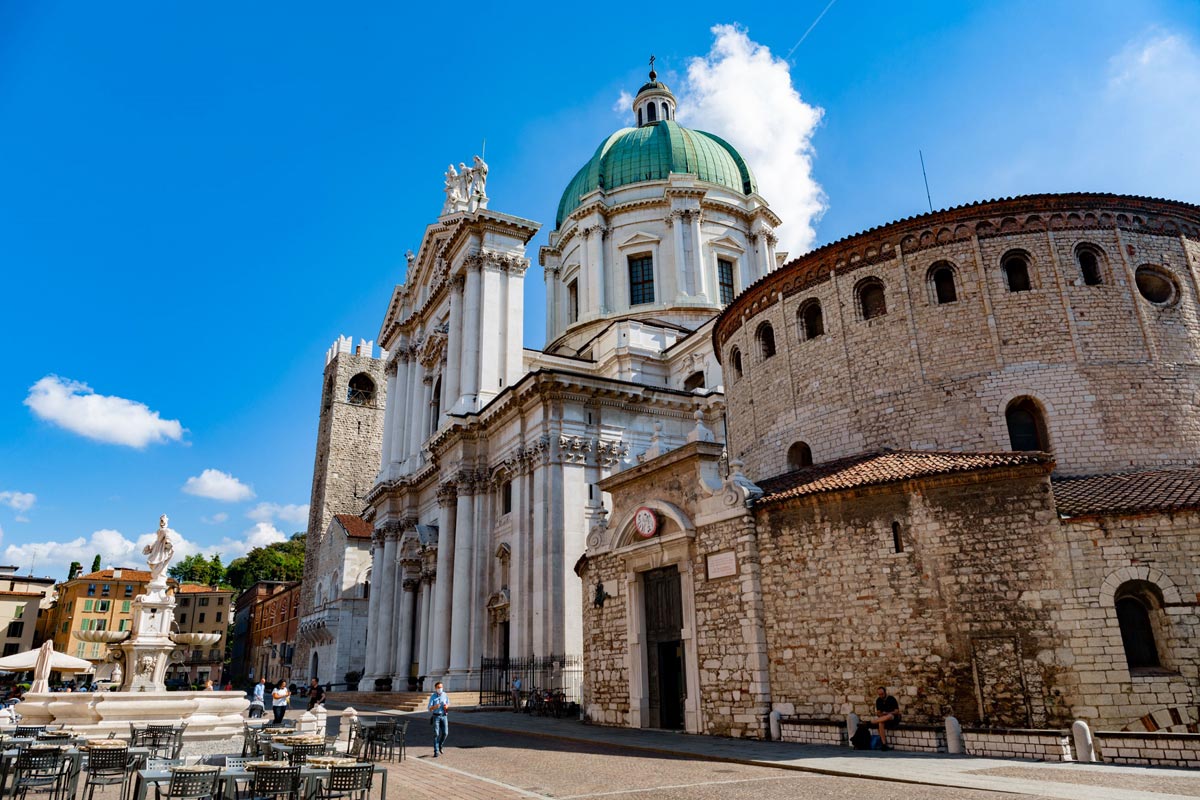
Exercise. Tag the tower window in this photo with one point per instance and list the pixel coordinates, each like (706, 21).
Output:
(361, 390)
(897, 540)
(1026, 426)
(1088, 257)
(735, 359)
(799, 455)
(573, 301)
(651, 113)
(872, 302)
(639, 118)
(694, 381)
(941, 277)
(725, 280)
(665, 112)
(1015, 267)
(766, 340)
(812, 321)
(641, 279)
(435, 403)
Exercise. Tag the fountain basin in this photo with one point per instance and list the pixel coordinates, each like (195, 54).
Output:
(104, 637)
(210, 715)
(195, 639)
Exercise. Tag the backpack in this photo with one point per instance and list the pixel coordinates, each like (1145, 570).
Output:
(861, 740)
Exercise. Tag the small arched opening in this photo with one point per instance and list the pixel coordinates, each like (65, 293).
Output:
(1015, 266)
(694, 381)
(1090, 259)
(811, 319)
(1026, 425)
(799, 456)
(766, 340)
(941, 280)
(361, 390)
(735, 359)
(872, 302)
(1139, 607)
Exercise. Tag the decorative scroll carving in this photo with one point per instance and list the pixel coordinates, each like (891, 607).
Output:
(574, 449)
(447, 494)
(611, 452)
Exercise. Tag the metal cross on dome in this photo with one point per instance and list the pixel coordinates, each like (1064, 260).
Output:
(652, 75)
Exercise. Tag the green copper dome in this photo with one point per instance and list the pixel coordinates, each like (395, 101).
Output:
(651, 153)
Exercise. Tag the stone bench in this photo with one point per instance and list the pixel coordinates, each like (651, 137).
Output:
(812, 731)
(1164, 749)
(918, 738)
(1040, 745)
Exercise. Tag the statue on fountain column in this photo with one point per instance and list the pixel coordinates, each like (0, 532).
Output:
(158, 556)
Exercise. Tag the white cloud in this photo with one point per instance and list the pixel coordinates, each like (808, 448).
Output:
(49, 558)
(261, 535)
(269, 512)
(217, 485)
(215, 519)
(115, 420)
(623, 105)
(744, 94)
(19, 502)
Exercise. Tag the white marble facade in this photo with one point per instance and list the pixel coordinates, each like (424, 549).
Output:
(487, 493)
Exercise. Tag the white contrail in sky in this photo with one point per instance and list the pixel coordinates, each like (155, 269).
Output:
(810, 29)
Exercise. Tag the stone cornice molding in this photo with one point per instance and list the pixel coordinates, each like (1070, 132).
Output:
(983, 220)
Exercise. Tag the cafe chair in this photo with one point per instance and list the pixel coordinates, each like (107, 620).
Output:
(271, 783)
(347, 783)
(192, 783)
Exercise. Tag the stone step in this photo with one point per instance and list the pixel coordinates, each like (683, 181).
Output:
(400, 701)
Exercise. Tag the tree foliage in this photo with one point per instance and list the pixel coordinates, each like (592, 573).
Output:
(74, 571)
(198, 569)
(282, 561)
(96, 563)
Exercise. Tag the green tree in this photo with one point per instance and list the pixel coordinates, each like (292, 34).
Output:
(74, 571)
(96, 563)
(281, 561)
(198, 569)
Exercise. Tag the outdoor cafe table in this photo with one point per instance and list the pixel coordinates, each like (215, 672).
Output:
(8, 758)
(309, 776)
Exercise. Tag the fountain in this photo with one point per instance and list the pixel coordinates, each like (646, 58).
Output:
(142, 655)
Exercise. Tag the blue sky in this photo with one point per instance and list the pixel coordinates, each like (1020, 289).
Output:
(196, 200)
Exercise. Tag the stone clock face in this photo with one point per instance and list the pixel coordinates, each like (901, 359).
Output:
(646, 522)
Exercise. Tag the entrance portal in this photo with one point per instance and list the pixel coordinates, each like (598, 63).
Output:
(664, 647)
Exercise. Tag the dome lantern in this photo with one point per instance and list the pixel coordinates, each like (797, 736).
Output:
(654, 101)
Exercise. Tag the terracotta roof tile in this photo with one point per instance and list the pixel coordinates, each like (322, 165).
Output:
(1128, 492)
(199, 588)
(889, 466)
(356, 527)
(132, 575)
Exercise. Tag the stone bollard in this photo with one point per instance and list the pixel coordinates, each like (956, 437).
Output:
(322, 720)
(1085, 749)
(776, 727)
(954, 737)
(349, 719)
(851, 726)
(308, 723)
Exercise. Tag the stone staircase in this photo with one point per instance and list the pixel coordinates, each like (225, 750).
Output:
(399, 701)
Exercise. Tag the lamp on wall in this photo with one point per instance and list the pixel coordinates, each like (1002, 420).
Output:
(601, 595)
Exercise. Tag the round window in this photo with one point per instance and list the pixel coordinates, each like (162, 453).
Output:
(1157, 285)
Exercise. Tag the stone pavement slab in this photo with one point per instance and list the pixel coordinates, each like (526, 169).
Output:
(1057, 780)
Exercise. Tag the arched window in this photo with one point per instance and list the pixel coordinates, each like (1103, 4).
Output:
(941, 279)
(766, 340)
(652, 113)
(666, 114)
(872, 302)
(897, 539)
(735, 358)
(1015, 266)
(694, 381)
(1137, 603)
(812, 320)
(1026, 425)
(361, 391)
(799, 455)
(435, 405)
(335, 586)
(639, 118)
(328, 392)
(573, 301)
(1090, 258)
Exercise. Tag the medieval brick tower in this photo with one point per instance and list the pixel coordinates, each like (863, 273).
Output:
(349, 440)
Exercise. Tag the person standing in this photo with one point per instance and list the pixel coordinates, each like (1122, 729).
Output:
(258, 701)
(887, 712)
(439, 707)
(279, 701)
(516, 695)
(316, 695)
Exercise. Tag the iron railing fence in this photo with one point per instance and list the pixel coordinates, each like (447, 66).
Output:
(547, 673)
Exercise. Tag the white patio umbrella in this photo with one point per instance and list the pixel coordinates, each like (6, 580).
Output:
(43, 661)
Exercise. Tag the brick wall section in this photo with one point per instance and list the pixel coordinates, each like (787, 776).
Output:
(1034, 744)
(1158, 749)
(605, 645)
(1102, 360)
(812, 731)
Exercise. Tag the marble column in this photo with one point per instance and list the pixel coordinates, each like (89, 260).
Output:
(397, 403)
(552, 323)
(454, 341)
(439, 633)
(699, 262)
(388, 421)
(370, 670)
(424, 601)
(681, 287)
(464, 548)
(385, 652)
(469, 378)
(595, 242)
(479, 573)
(404, 655)
(414, 413)
(771, 240)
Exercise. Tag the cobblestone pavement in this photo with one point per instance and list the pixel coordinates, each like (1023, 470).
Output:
(504, 755)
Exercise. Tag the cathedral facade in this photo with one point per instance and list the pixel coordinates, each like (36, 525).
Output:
(492, 453)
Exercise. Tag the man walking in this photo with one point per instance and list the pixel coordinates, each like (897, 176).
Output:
(439, 706)
(316, 695)
(258, 703)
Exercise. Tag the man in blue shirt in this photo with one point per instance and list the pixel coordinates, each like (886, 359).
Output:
(439, 706)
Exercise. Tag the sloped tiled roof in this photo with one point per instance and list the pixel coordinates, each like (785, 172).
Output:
(199, 588)
(1128, 492)
(883, 467)
(356, 527)
(133, 575)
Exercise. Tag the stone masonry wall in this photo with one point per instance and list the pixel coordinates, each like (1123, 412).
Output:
(1117, 376)
(606, 643)
(943, 624)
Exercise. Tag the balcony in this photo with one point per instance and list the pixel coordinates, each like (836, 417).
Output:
(320, 627)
